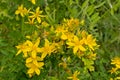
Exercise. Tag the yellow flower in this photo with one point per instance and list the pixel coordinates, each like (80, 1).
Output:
(45, 24)
(60, 30)
(71, 24)
(92, 56)
(21, 10)
(34, 64)
(29, 47)
(90, 42)
(67, 36)
(74, 76)
(63, 63)
(113, 70)
(33, 60)
(36, 15)
(33, 1)
(76, 44)
(33, 68)
(34, 49)
(47, 49)
(63, 36)
(70, 36)
(30, 21)
(23, 48)
(116, 62)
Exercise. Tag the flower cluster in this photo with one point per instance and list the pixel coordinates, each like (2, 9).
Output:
(30, 50)
(116, 69)
(66, 39)
(21, 10)
(35, 55)
(33, 17)
(83, 44)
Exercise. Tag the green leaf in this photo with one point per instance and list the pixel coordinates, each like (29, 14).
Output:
(90, 9)
(85, 4)
(94, 16)
(100, 5)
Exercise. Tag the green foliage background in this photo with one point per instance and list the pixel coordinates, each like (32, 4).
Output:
(102, 19)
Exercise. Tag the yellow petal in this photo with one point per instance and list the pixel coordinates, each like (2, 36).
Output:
(64, 37)
(30, 75)
(19, 46)
(37, 9)
(28, 65)
(41, 64)
(28, 60)
(30, 71)
(43, 55)
(33, 54)
(82, 48)
(35, 63)
(91, 47)
(37, 42)
(29, 43)
(28, 37)
(33, 1)
(22, 14)
(25, 54)
(70, 44)
(75, 49)
(39, 59)
(38, 19)
(111, 78)
(70, 77)
(117, 78)
(18, 52)
(17, 12)
(37, 71)
(76, 39)
(39, 50)
(46, 42)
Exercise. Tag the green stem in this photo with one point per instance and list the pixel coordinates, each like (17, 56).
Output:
(22, 26)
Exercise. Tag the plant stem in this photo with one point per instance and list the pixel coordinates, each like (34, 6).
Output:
(22, 26)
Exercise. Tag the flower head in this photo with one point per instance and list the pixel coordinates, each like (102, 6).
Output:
(67, 36)
(21, 10)
(71, 24)
(30, 21)
(33, 60)
(116, 62)
(47, 49)
(36, 15)
(74, 76)
(33, 1)
(23, 48)
(113, 70)
(34, 49)
(76, 44)
(33, 68)
(29, 47)
(60, 30)
(90, 42)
